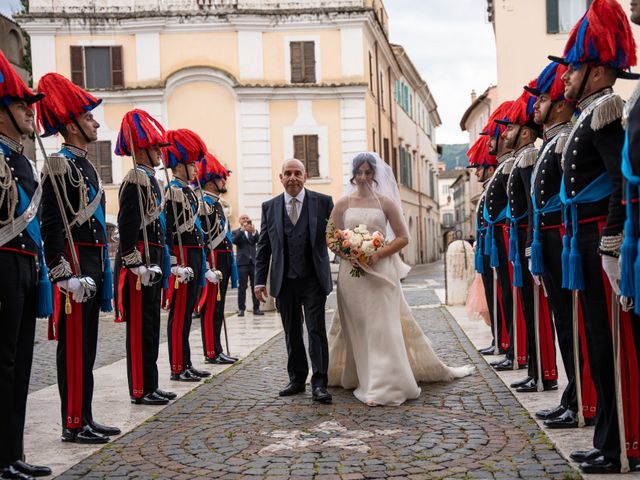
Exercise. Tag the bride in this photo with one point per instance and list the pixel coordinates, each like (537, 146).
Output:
(375, 345)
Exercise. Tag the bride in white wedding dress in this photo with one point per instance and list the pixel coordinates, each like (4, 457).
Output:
(375, 345)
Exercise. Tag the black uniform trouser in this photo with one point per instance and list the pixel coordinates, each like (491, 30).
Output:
(246, 274)
(599, 346)
(526, 294)
(560, 300)
(18, 297)
(223, 263)
(182, 306)
(487, 281)
(505, 285)
(295, 295)
(76, 353)
(143, 332)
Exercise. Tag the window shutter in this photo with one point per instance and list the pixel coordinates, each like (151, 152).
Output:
(313, 157)
(309, 73)
(117, 74)
(298, 148)
(104, 161)
(296, 62)
(77, 66)
(553, 21)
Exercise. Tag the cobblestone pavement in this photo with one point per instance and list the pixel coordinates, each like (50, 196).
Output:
(235, 425)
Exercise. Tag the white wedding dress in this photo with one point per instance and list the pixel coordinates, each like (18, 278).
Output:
(375, 345)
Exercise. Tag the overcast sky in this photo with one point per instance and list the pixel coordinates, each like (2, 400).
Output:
(449, 42)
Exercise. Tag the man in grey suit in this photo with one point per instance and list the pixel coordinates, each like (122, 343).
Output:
(245, 239)
(292, 245)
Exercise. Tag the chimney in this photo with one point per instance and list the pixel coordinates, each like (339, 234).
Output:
(474, 96)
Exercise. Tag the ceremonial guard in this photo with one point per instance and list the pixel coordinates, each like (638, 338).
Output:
(143, 254)
(211, 181)
(77, 251)
(600, 49)
(186, 243)
(520, 134)
(25, 291)
(544, 248)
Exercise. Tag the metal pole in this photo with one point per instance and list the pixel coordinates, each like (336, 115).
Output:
(615, 334)
(576, 357)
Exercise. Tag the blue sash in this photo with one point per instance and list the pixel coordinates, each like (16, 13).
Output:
(554, 204)
(479, 263)
(601, 187)
(106, 292)
(223, 224)
(44, 307)
(490, 246)
(514, 244)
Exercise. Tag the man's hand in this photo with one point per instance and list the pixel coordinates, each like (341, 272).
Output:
(611, 267)
(261, 293)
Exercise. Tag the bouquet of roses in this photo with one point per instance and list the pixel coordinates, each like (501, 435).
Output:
(357, 245)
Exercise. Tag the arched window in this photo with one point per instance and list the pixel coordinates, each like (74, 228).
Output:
(14, 47)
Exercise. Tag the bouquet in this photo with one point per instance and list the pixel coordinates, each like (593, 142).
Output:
(357, 245)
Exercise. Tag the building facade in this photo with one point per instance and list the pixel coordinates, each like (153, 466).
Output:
(260, 81)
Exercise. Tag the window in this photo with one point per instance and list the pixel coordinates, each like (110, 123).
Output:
(447, 219)
(97, 67)
(303, 62)
(99, 153)
(385, 151)
(305, 149)
(382, 90)
(370, 72)
(405, 168)
(14, 47)
(562, 15)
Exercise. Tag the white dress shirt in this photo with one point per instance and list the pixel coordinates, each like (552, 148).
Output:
(287, 201)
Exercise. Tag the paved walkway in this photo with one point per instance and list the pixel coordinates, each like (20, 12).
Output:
(235, 426)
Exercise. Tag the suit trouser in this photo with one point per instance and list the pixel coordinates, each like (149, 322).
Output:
(143, 330)
(246, 274)
(182, 305)
(295, 295)
(223, 264)
(18, 297)
(77, 346)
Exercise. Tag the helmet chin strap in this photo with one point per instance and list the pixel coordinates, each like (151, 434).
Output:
(545, 120)
(87, 139)
(583, 84)
(514, 144)
(13, 121)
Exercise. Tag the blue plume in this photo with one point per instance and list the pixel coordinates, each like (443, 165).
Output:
(140, 130)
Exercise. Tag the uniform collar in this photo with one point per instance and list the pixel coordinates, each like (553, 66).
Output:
(585, 102)
(552, 132)
(75, 151)
(522, 149)
(148, 170)
(504, 157)
(16, 147)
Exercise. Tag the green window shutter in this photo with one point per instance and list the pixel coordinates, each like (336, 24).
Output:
(553, 21)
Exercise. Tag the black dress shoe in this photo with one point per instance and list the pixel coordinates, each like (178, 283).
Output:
(167, 395)
(13, 472)
(228, 357)
(292, 389)
(532, 386)
(600, 465)
(519, 383)
(568, 419)
(550, 413)
(585, 455)
(199, 373)
(321, 395)
(32, 470)
(185, 376)
(497, 362)
(487, 351)
(258, 312)
(150, 399)
(504, 365)
(84, 435)
(104, 430)
(241, 313)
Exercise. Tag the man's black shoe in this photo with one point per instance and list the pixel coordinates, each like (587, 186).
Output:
(258, 312)
(218, 360)
(104, 430)
(568, 419)
(600, 465)
(585, 455)
(84, 435)
(532, 386)
(241, 313)
(198, 373)
(497, 362)
(487, 351)
(519, 383)
(13, 472)
(32, 470)
(504, 365)
(292, 389)
(228, 357)
(321, 395)
(150, 399)
(550, 413)
(167, 395)
(185, 376)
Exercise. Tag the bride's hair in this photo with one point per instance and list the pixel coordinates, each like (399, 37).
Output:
(360, 160)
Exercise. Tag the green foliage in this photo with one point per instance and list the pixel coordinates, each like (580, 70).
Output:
(455, 155)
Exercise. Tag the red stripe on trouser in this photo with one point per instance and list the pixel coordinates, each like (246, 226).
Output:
(210, 295)
(589, 395)
(505, 341)
(180, 299)
(521, 340)
(547, 344)
(54, 319)
(74, 364)
(120, 311)
(135, 336)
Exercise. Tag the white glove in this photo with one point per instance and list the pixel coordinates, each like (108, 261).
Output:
(611, 267)
(184, 274)
(80, 288)
(536, 278)
(148, 275)
(626, 303)
(213, 276)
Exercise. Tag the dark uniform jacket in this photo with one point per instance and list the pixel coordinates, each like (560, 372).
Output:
(186, 204)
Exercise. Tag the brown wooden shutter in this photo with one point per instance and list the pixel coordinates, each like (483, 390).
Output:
(117, 74)
(104, 158)
(299, 148)
(297, 74)
(313, 156)
(77, 65)
(309, 62)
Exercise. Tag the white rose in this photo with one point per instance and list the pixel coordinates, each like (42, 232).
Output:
(356, 240)
(367, 248)
(362, 229)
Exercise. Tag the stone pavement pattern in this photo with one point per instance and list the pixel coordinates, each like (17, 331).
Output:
(235, 426)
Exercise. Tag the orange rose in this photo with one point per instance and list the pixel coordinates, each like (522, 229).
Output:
(346, 244)
(377, 242)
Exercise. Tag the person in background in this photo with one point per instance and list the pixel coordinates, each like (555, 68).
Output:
(245, 238)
